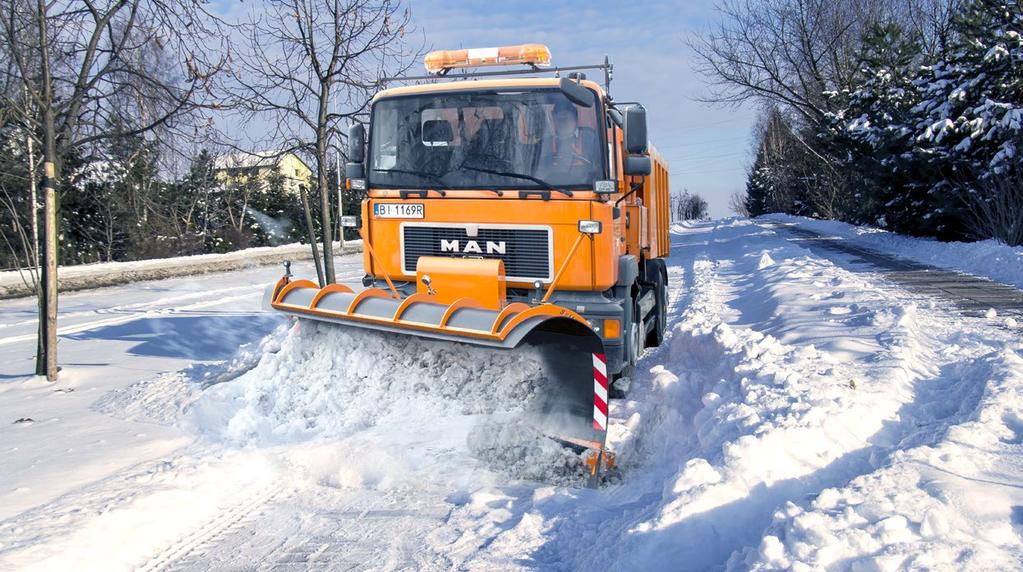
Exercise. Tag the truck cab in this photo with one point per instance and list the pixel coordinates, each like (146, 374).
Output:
(518, 190)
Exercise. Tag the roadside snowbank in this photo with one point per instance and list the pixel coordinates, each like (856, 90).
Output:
(87, 276)
(988, 258)
(784, 378)
(951, 503)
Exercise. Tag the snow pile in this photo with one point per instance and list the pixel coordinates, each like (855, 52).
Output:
(518, 450)
(922, 510)
(752, 414)
(988, 258)
(329, 381)
(783, 379)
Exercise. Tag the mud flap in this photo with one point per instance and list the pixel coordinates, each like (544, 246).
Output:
(572, 407)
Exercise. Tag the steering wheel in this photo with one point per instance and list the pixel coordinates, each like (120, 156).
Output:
(581, 158)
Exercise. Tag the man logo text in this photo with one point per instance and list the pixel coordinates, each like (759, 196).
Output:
(472, 247)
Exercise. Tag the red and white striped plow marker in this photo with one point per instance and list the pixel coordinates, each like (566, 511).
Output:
(599, 392)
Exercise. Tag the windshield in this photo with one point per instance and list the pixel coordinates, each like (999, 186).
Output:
(480, 140)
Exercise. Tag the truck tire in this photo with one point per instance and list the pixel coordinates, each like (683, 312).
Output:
(633, 350)
(660, 285)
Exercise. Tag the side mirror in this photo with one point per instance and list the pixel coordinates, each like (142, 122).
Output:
(576, 93)
(637, 165)
(635, 129)
(357, 143)
(355, 171)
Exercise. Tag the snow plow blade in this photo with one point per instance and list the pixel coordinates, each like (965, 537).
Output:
(573, 412)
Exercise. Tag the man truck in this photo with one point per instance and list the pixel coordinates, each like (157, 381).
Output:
(505, 209)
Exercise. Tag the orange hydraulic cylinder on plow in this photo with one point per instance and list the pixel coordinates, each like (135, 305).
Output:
(509, 212)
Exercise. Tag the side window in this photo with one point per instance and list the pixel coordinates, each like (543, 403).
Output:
(612, 157)
(385, 135)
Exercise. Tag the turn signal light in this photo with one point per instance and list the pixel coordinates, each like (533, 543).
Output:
(612, 329)
(528, 54)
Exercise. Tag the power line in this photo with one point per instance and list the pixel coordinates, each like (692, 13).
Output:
(706, 172)
(700, 158)
(701, 143)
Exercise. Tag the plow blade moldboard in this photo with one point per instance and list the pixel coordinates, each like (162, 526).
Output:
(573, 407)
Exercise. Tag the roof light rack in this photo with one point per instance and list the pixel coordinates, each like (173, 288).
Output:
(536, 56)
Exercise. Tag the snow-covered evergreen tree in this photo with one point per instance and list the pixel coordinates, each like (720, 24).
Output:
(970, 117)
(872, 134)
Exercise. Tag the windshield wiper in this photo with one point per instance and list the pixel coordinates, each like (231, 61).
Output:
(536, 180)
(419, 174)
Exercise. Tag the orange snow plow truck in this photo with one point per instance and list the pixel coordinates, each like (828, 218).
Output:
(507, 209)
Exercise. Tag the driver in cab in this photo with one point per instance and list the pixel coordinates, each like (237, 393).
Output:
(568, 148)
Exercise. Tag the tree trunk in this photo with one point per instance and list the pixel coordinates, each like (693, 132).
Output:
(48, 331)
(312, 233)
(50, 264)
(321, 179)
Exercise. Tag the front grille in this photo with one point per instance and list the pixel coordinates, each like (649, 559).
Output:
(526, 250)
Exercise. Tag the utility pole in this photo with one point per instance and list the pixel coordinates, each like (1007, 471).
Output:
(340, 196)
(340, 188)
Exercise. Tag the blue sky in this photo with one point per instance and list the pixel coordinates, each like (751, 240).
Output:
(706, 146)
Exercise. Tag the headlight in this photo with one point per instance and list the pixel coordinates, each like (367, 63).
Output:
(605, 187)
(589, 226)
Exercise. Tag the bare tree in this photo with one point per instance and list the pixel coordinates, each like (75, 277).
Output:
(687, 206)
(737, 202)
(310, 68)
(77, 63)
(995, 207)
(787, 52)
(930, 23)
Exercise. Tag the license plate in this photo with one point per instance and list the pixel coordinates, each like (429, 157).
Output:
(398, 210)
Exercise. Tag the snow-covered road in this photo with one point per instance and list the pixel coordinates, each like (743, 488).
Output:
(801, 411)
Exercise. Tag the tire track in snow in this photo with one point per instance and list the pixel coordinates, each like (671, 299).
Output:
(121, 319)
(144, 516)
(135, 307)
(210, 299)
(181, 555)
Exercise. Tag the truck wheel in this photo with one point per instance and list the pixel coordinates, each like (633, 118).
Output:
(633, 349)
(656, 335)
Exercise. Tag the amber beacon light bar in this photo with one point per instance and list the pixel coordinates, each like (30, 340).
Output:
(536, 55)
(535, 58)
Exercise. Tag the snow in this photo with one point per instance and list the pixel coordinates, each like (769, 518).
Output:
(987, 258)
(86, 276)
(800, 415)
(303, 387)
